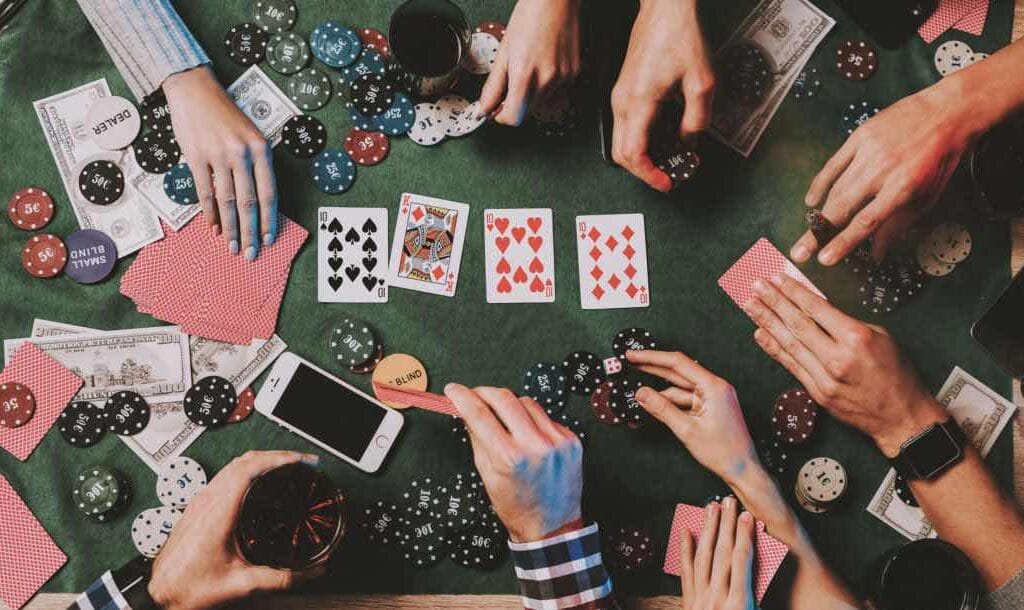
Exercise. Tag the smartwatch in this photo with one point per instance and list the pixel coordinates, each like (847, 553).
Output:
(931, 452)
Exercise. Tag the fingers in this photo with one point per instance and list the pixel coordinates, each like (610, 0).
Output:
(742, 558)
(834, 167)
(679, 397)
(247, 467)
(775, 351)
(266, 192)
(204, 189)
(803, 328)
(225, 191)
(706, 544)
(480, 419)
(722, 559)
(686, 582)
(247, 207)
(494, 88)
(510, 411)
(678, 362)
(664, 410)
(546, 426)
(767, 319)
(517, 99)
(698, 91)
(804, 248)
(629, 149)
(818, 309)
(667, 374)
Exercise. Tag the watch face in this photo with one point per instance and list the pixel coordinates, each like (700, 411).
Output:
(930, 453)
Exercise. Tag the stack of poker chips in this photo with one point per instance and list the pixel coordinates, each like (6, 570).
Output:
(820, 484)
(101, 493)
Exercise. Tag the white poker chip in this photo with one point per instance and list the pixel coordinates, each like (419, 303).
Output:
(451, 108)
(928, 263)
(952, 56)
(483, 50)
(430, 126)
(152, 527)
(822, 480)
(950, 243)
(469, 121)
(113, 122)
(179, 481)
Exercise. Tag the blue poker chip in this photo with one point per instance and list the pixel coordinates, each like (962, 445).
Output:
(334, 44)
(370, 62)
(399, 118)
(91, 256)
(360, 120)
(180, 186)
(333, 171)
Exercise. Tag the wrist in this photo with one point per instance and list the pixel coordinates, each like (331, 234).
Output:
(540, 531)
(920, 415)
(978, 105)
(186, 78)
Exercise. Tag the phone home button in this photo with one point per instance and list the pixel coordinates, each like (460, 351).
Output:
(383, 441)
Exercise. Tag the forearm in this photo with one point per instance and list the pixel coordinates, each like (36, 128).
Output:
(988, 91)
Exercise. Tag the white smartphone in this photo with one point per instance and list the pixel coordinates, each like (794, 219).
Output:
(326, 411)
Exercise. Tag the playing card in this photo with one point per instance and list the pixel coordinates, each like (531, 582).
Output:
(415, 398)
(427, 244)
(760, 262)
(28, 556)
(768, 551)
(974, 21)
(945, 16)
(519, 256)
(351, 255)
(612, 254)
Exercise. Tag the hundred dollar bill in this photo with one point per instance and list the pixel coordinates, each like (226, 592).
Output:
(150, 187)
(129, 221)
(788, 32)
(263, 102)
(151, 361)
(981, 413)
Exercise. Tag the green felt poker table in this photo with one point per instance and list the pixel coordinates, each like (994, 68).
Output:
(693, 235)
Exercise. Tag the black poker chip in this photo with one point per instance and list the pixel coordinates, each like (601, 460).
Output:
(569, 422)
(479, 547)
(304, 136)
(246, 44)
(746, 72)
(156, 112)
(908, 278)
(101, 182)
(636, 339)
(629, 549)
(455, 502)
(423, 540)
(397, 75)
(418, 498)
(381, 522)
(82, 424)
(372, 94)
(126, 413)
(904, 493)
(459, 431)
(156, 152)
(774, 456)
(879, 294)
(545, 383)
(210, 401)
(583, 372)
(623, 402)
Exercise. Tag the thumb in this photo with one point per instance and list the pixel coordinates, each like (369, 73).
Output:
(262, 579)
(664, 410)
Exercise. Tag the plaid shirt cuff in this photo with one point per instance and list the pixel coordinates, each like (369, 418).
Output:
(563, 572)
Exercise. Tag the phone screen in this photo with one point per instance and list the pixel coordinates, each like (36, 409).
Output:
(1001, 329)
(329, 412)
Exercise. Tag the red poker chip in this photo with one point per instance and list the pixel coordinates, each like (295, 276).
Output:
(367, 147)
(30, 209)
(374, 39)
(17, 405)
(494, 28)
(44, 255)
(244, 406)
(794, 416)
(601, 405)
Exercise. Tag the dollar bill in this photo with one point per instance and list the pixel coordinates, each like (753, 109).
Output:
(981, 413)
(788, 32)
(150, 187)
(130, 222)
(263, 102)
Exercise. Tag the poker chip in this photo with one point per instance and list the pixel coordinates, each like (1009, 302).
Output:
(370, 62)
(244, 406)
(478, 547)
(820, 227)
(366, 147)
(371, 364)
(856, 60)
(773, 456)
(794, 416)
(157, 152)
(334, 44)
(583, 372)
(180, 186)
(483, 50)
(101, 182)
(333, 171)
(287, 53)
(112, 122)
(152, 528)
(401, 370)
(44, 255)
(92, 256)
(928, 263)
(30, 209)
(746, 72)
(374, 40)
(17, 405)
(351, 341)
(468, 121)
(304, 136)
(126, 413)
(952, 56)
(856, 115)
(179, 481)
(450, 108)
(274, 15)
(423, 540)
(100, 493)
(371, 94)
(429, 128)
(82, 424)
(878, 296)
(381, 522)
(309, 89)
(629, 549)
(623, 402)
(807, 84)
(459, 430)
(494, 28)
(600, 404)
(822, 480)
(455, 503)
(950, 243)
(634, 338)
(156, 112)
(360, 120)
(397, 75)
(904, 493)
(246, 44)
(399, 118)
(545, 383)
(210, 401)
(680, 164)
(419, 497)
(907, 277)
(569, 422)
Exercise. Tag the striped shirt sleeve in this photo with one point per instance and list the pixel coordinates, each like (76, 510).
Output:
(563, 572)
(121, 589)
(146, 39)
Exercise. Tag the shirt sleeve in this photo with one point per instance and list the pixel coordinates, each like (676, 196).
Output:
(563, 572)
(1010, 596)
(121, 589)
(146, 39)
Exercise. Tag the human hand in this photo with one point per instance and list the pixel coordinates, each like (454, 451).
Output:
(200, 566)
(231, 161)
(539, 53)
(852, 369)
(889, 173)
(701, 409)
(717, 574)
(530, 466)
(666, 57)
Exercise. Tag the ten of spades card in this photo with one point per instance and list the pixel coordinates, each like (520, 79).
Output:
(352, 259)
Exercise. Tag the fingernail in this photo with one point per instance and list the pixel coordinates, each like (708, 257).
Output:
(250, 253)
(711, 508)
(310, 459)
(642, 394)
(759, 286)
(233, 246)
(758, 334)
(777, 279)
(729, 501)
(827, 257)
(448, 387)
(800, 253)
(215, 229)
(268, 239)
(746, 517)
